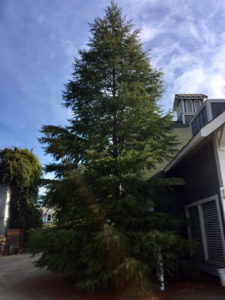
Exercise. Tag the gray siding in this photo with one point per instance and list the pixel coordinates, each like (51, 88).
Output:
(217, 109)
(200, 121)
(199, 171)
(200, 174)
(188, 118)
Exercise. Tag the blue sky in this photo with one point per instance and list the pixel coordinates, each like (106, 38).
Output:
(38, 40)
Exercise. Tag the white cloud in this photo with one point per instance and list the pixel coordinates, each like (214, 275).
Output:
(190, 81)
(216, 86)
(185, 43)
(207, 34)
(187, 40)
(192, 30)
(199, 73)
(148, 33)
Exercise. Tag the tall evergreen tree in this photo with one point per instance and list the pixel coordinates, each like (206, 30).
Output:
(105, 232)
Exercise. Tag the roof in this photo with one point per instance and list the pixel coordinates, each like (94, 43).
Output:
(183, 134)
(190, 96)
(205, 131)
(187, 97)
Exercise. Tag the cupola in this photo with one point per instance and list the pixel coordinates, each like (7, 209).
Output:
(187, 105)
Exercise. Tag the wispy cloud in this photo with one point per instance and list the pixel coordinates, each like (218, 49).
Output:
(39, 41)
(148, 33)
(187, 42)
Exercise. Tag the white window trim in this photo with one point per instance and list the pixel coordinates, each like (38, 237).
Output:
(222, 196)
(183, 107)
(195, 105)
(218, 142)
(204, 241)
(192, 107)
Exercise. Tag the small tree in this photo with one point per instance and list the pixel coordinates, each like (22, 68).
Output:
(105, 233)
(21, 170)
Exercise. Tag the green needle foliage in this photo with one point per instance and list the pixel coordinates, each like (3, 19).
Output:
(105, 233)
(21, 170)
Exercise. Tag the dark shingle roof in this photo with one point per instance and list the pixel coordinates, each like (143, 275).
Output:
(190, 96)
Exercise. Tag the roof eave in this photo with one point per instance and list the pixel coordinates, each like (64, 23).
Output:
(203, 133)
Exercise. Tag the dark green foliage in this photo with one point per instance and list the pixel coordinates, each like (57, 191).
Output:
(105, 233)
(21, 169)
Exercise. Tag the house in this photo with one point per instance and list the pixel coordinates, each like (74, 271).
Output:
(47, 216)
(5, 199)
(201, 164)
(5, 196)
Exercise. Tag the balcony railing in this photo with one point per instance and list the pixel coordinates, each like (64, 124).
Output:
(209, 111)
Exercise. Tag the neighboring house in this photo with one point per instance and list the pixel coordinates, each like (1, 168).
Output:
(201, 164)
(47, 216)
(5, 196)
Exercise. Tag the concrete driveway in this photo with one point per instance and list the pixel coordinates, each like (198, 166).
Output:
(20, 280)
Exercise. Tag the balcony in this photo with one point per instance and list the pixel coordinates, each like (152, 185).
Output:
(209, 111)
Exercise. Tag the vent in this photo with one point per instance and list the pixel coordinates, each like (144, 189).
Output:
(206, 229)
(212, 230)
(196, 234)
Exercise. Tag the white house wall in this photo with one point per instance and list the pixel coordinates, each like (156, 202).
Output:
(219, 149)
(47, 212)
(5, 196)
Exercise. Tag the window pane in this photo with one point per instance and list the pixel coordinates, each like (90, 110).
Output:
(189, 106)
(197, 105)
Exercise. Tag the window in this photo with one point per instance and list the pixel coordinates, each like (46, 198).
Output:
(49, 218)
(197, 105)
(189, 107)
